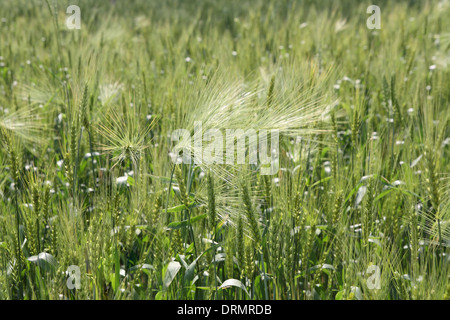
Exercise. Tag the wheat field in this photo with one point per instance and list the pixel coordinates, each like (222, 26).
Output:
(100, 202)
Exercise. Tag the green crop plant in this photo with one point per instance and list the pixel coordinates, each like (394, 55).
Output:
(93, 178)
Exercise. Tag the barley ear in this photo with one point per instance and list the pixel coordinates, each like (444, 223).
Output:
(211, 204)
(251, 215)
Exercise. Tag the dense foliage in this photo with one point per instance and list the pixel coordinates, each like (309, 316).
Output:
(359, 208)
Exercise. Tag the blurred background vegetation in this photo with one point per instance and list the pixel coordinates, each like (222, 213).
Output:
(86, 178)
